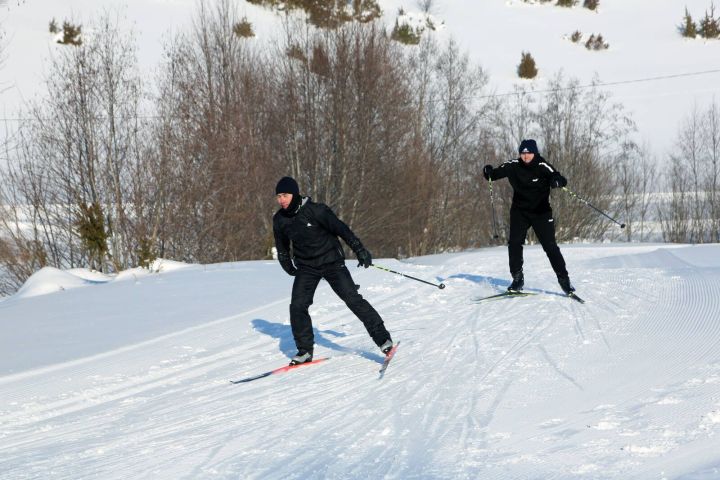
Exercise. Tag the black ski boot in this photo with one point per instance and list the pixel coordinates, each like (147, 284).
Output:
(565, 285)
(518, 282)
(302, 356)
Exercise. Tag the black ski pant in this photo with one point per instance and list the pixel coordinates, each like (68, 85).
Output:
(544, 226)
(338, 276)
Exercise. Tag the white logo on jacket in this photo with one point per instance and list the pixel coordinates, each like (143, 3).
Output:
(547, 166)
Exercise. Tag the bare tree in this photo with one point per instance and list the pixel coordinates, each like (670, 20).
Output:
(455, 119)
(674, 213)
(636, 176)
(645, 188)
(691, 214)
(69, 187)
(690, 154)
(711, 170)
(214, 110)
(23, 235)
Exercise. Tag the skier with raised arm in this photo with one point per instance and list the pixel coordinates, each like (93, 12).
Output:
(531, 178)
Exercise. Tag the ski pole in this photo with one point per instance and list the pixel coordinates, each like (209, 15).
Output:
(573, 194)
(492, 205)
(441, 286)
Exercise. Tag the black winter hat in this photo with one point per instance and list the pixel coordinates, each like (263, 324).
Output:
(528, 146)
(287, 185)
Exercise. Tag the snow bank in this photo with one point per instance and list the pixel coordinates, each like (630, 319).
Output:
(50, 280)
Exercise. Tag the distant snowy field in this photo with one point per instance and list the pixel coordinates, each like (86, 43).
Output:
(644, 46)
(128, 376)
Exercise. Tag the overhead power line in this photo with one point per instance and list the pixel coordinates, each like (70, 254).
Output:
(505, 94)
(606, 84)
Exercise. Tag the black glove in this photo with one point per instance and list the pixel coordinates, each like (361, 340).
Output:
(487, 171)
(287, 264)
(289, 268)
(558, 181)
(364, 258)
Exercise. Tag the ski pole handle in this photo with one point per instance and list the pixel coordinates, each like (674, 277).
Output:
(440, 286)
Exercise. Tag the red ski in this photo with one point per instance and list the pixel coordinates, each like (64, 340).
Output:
(388, 357)
(284, 369)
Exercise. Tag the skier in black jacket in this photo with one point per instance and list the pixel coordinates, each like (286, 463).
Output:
(313, 229)
(531, 177)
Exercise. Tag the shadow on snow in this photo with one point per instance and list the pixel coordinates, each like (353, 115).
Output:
(499, 284)
(283, 334)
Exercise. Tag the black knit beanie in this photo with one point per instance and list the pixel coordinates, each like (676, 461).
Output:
(287, 185)
(528, 146)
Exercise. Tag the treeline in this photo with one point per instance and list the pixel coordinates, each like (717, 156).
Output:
(114, 170)
(691, 207)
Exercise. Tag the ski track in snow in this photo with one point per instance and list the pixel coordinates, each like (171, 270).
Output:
(531, 387)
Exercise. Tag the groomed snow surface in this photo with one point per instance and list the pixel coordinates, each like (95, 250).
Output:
(128, 377)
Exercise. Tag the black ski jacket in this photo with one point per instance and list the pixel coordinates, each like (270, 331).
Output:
(313, 229)
(530, 183)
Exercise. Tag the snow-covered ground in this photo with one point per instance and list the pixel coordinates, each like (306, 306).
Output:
(654, 72)
(128, 376)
